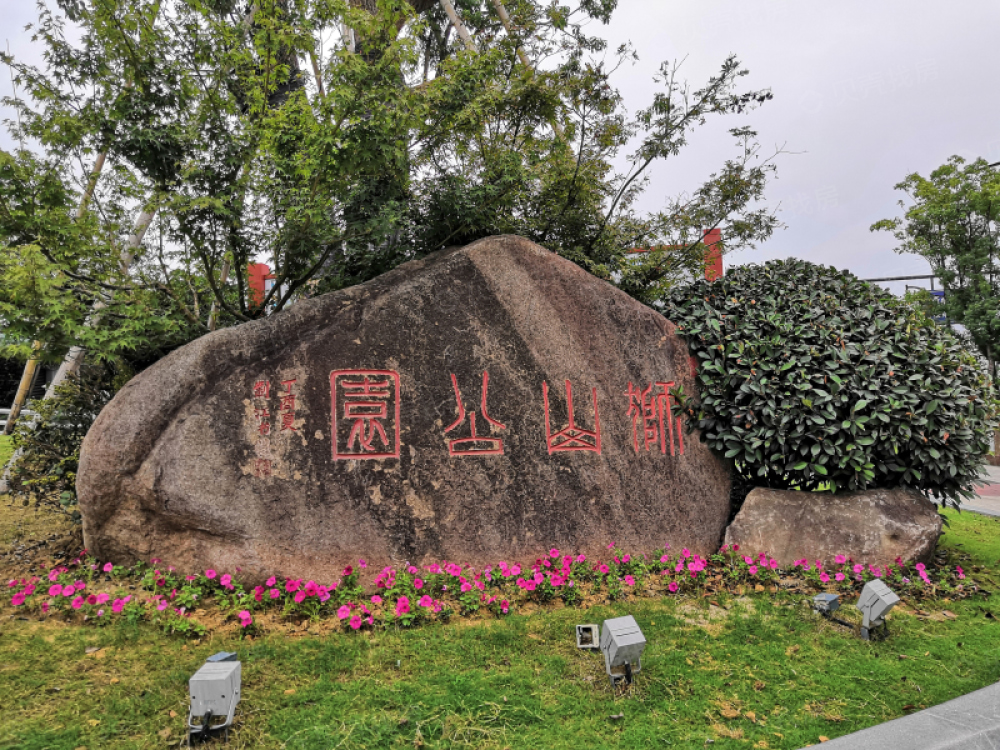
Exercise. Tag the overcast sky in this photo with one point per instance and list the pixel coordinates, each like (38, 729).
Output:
(865, 93)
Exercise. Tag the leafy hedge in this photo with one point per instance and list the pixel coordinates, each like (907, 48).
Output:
(810, 377)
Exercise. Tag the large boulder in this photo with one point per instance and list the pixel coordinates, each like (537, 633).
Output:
(421, 416)
(872, 526)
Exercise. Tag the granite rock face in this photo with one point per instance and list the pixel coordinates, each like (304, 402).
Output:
(486, 402)
(874, 526)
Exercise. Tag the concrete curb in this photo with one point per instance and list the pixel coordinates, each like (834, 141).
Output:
(971, 722)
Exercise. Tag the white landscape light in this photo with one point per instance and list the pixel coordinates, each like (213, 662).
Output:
(215, 692)
(622, 644)
(875, 602)
(826, 604)
(587, 636)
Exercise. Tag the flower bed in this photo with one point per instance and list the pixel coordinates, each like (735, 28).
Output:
(99, 593)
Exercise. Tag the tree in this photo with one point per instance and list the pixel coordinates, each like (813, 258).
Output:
(952, 221)
(404, 140)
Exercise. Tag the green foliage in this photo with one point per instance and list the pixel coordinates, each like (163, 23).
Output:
(954, 222)
(810, 376)
(374, 154)
(6, 450)
(49, 443)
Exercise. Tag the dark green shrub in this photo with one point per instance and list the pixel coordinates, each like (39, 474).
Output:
(811, 379)
(47, 445)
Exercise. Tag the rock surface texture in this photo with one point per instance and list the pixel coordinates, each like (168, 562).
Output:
(875, 526)
(419, 417)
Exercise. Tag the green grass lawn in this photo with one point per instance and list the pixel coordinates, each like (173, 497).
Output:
(6, 450)
(757, 671)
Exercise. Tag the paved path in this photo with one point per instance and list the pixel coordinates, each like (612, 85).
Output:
(971, 722)
(988, 500)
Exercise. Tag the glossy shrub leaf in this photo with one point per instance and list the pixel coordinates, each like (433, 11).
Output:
(813, 379)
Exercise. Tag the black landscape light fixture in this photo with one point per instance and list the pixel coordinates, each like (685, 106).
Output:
(875, 602)
(215, 693)
(622, 644)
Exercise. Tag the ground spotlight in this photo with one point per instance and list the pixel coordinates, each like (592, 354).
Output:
(875, 602)
(587, 636)
(622, 644)
(215, 692)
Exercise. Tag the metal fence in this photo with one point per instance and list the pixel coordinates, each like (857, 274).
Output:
(5, 414)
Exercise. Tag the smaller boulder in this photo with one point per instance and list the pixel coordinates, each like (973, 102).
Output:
(873, 526)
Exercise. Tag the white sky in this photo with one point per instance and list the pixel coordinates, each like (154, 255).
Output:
(866, 92)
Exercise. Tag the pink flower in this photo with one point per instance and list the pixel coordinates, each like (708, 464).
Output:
(418, 584)
(920, 566)
(300, 596)
(376, 599)
(504, 606)
(270, 581)
(226, 581)
(312, 589)
(91, 599)
(626, 558)
(686, 552)
(18, 599)
(362, 564)
(629, 581)
(344, 612)
(108, 567)
(245, 618)
(190, 578)
(79, 585)
(553, 553)
(840, 577)
(665, 558)
(274, 593)
(961, 573)
(355, 622)
(210, 574)
(77, 602)
(425, 601)
(69, 589)
(672, 588)
(859, 568)
(774, 564)
(581, 557)
(840, 559)
(611, 546)
(55, 590)
(604, 568)
(163, 605)
(753, 570)
(292, 585)
(102, 597)
(824, 577)
(45, 607)
(402, 606)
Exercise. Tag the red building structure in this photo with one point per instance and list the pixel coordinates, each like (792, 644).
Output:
(713, 253)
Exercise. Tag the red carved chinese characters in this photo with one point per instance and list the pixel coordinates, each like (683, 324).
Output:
(475, 445)
(288, 406)
(262, 448)
(364, 413)
(653, 421)
(571, 437)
